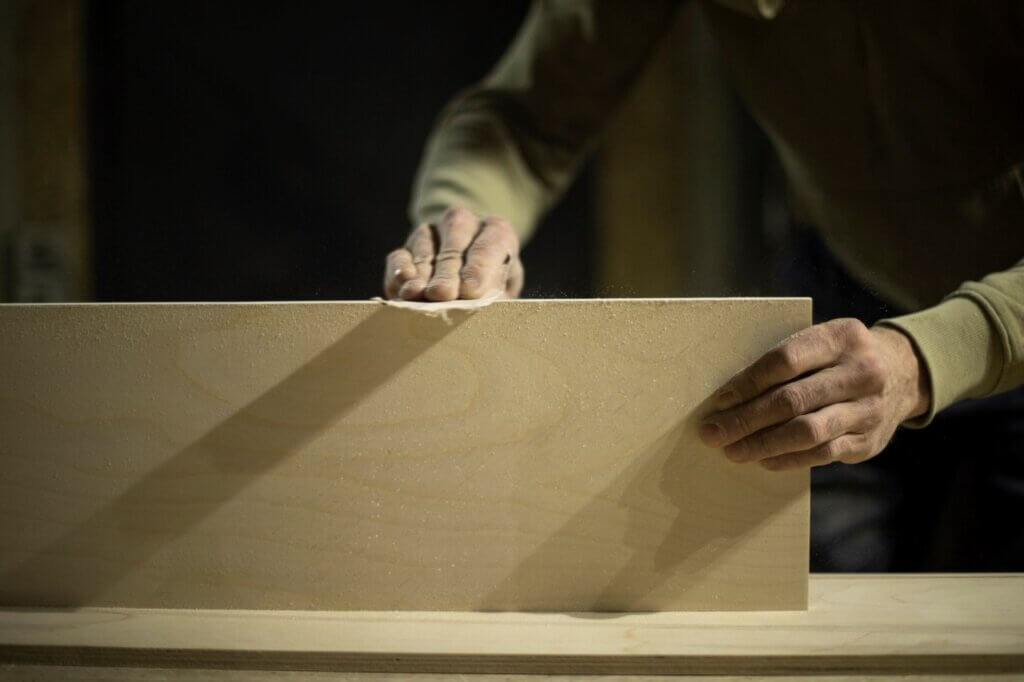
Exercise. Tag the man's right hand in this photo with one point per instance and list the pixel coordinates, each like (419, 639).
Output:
(463, 256)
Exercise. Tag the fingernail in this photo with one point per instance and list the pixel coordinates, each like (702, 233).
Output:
(443, 289)
(711, 434)
(734, 453)
(725, 398)
(410, 286)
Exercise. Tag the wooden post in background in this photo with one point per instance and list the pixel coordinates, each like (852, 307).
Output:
(678, 194)
(44, 197)
(8, 135)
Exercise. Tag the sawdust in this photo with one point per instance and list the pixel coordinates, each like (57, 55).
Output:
(442, 308)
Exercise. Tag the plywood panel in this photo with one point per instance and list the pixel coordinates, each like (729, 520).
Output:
(533, 455)
(900, 624)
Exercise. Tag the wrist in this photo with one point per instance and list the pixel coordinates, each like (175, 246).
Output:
(908, 371)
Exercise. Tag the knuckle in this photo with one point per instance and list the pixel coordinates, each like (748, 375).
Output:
(448, 254)
(470, 273)
(871, 368)
(861, 448)
(831, 451)
(786, 357)
(744, 386)
(873, 419)
(758, 445)
(441, 277)
(735, 424)
(510, 236)
(505, 231)
(834, 425)
(420, 241)
(790, 400)
(811, 429)
(485, 246)
(854, 331)
(457, 214)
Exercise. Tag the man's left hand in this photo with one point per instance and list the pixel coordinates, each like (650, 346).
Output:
(834, 392)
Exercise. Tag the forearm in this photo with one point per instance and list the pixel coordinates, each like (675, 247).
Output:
(511, 145)
(473, 159)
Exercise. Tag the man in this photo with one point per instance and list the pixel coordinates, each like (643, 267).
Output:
(900, 126)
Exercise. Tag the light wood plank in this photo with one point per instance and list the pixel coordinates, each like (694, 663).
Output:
(855, 624)
(533, 455)
(41, 673)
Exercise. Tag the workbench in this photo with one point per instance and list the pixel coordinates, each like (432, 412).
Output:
(868, 625)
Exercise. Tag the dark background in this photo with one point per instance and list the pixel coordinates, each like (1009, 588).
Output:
(265, 150)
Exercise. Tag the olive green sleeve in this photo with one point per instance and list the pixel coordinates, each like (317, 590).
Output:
(510, 145)
(973, 341)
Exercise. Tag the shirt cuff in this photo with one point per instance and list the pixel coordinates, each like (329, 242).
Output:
(959, 347)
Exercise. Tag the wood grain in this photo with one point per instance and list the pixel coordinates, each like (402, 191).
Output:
(900, 624)
(531, 456)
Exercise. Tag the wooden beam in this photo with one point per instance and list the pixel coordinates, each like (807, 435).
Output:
(678, 211)
(533, 455)
(899, 624)
(51, 240)
(8, 139)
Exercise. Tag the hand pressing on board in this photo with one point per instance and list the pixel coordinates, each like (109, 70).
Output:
(462, 256)
(834, 392)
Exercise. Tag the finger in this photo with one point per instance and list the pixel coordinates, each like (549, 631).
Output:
(516, 278)
(488, 259)
(800, 433)
(850, 448)
(779, 405)
(810, 349)
(398, 269)
(422, 246)
(455, 233)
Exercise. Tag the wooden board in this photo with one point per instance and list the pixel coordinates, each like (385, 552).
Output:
(45, 673)
(533, 455)
(900, 624)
